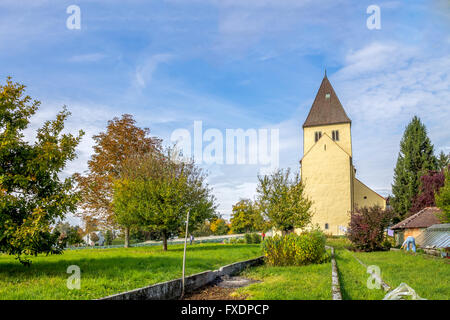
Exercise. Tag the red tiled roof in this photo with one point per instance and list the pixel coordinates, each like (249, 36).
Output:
(422, 219)
(326, 108)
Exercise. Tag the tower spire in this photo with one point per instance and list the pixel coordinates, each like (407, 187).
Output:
(326, 108)
(325, 73)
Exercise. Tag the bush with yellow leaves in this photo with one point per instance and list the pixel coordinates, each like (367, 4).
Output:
(295, 250)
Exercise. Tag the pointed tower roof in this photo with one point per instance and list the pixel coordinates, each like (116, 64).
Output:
(326, 108)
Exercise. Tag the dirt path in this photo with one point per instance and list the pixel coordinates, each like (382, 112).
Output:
(214, 293)
(222, 289)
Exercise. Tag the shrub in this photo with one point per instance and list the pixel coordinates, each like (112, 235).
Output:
(252, 238)
(295, 250)
(366, 229)
(387, 245)
(256, 238)
(236, 240)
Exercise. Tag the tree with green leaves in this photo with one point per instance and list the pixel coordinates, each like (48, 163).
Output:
(246, 217)
(442, 198)
(126, 205)
(416, 157)
(282, 201)
(443, 160)
(156, 191)
(109, 237)
(202, 230)
(68, 235)
(220, 227)
(33, 196)
(121, 140)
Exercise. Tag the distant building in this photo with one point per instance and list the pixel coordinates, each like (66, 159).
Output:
(89, 242)
(416, 224)
(327, 164)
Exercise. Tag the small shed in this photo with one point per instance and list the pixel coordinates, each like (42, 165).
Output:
(416, 224)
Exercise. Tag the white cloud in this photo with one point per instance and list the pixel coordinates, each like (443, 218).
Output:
(376, 57)
(382, 86)
(144, 71)
(229, 194)
(404, 81)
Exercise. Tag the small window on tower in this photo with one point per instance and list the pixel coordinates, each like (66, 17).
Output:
(327, 96)
(326, 226)
(335, 135)
(317, 136)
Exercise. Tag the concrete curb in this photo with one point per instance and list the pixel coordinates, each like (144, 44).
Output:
(335, 286)
(171, 290)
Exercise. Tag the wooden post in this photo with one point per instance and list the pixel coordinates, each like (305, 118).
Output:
(184, 255)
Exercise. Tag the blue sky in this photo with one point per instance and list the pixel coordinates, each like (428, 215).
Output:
(232, 64)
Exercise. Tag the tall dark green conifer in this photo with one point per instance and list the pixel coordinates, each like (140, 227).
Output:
(415, 158)
(443, 160)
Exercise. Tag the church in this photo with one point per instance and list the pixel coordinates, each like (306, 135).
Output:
(326, 166)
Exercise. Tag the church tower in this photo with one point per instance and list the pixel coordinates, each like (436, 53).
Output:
(327, 168)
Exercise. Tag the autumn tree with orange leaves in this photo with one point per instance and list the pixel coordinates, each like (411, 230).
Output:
(121, 140)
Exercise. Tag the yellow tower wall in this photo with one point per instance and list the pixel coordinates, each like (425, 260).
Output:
(371, 197)
(345, 138)
(326, 173)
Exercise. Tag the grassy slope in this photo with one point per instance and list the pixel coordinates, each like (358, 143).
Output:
(311, 282)
(108, 271)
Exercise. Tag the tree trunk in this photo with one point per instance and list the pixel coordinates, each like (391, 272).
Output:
(127, 238)
(164, 238)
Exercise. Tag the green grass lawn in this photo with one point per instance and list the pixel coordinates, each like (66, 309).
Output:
(109, 271)
(311, 282)
(338, 242)
(427, 275)
(353, 278)
(352, 275)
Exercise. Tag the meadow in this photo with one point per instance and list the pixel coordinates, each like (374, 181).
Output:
(427, 275)
(310, 282)
(109, 271)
